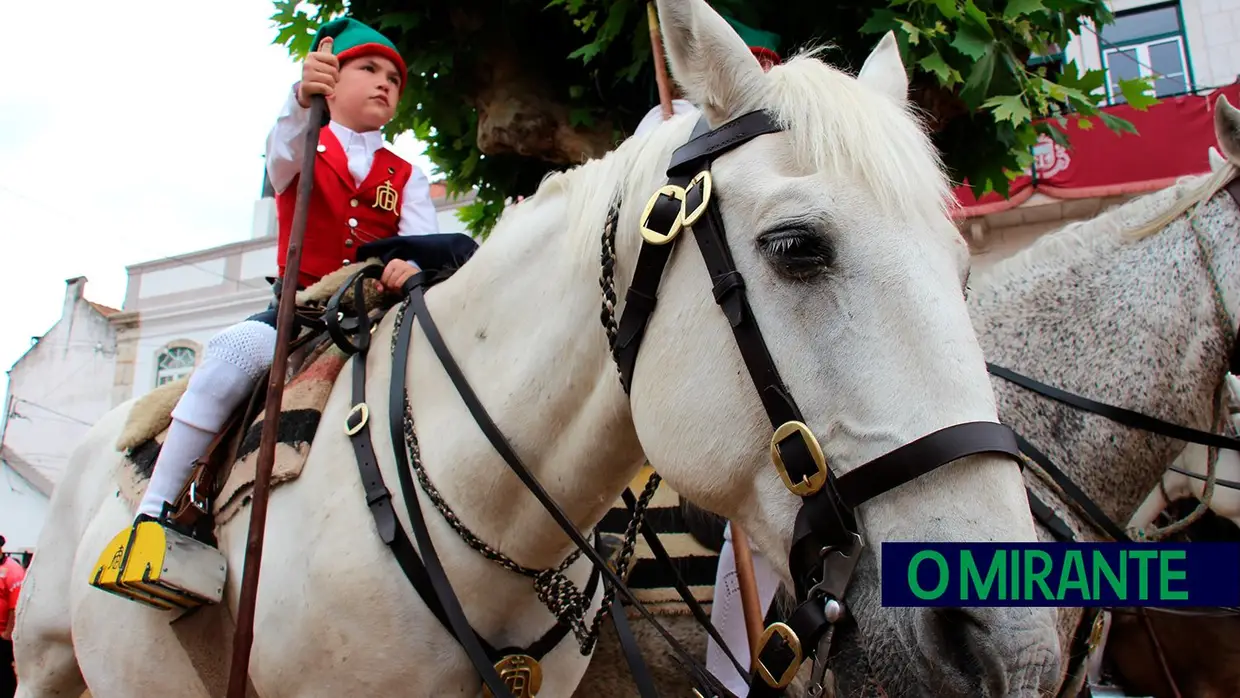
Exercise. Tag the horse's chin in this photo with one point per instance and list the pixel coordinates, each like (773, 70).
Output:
(873, 658)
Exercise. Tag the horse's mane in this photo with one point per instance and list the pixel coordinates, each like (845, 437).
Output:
(1131, 221)
(851, 130)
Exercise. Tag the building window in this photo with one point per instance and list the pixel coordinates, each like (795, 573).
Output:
(174, 363)
(1147, 42)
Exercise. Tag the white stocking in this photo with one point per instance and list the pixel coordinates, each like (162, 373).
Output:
(235, 359)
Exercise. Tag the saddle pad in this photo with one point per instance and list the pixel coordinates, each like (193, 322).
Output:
(300, 410)
(301, 407)
(305, 395)
(651, 582)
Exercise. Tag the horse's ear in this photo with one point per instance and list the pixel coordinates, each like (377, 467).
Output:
(884, 71)
(1216, 159)
(710, 61)
(1227, 128)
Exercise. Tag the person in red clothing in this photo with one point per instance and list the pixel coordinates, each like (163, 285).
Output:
(11, 576)
(364, 198)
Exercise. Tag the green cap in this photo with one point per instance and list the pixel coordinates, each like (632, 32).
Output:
(763, 44)
(351, 39)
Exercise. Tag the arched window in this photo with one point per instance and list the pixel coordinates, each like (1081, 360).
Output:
(173, 363)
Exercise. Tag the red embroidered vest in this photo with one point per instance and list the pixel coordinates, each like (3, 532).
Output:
(342, 215)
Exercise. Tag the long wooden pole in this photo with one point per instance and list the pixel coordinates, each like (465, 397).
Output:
(746, 580)
(243, 635)
(660, 64)
(747, 583)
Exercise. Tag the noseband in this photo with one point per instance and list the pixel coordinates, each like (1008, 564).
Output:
(827, 541)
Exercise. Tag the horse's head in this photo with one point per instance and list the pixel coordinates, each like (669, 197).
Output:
(838, 226)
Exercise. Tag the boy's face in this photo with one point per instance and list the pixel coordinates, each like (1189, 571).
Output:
(366, 93)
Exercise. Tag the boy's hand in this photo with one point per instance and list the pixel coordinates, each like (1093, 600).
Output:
(395, 274)
(318, 74)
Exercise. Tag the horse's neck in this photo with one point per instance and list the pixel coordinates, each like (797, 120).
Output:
(522, 321)
(1131, 324)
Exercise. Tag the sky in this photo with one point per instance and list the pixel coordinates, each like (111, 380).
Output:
(130, 132)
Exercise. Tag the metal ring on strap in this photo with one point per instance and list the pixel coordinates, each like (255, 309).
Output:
(655, 237)
(342, 328)
(363, 416)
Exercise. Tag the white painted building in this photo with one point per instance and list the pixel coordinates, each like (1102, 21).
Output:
(1189, 46)
(57, 389)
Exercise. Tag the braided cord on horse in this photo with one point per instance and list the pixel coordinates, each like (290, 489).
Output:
(558, 593)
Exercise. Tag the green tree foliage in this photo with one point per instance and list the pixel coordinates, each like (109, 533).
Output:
(587, 65)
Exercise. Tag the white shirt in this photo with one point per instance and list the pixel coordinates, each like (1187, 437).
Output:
(284, 151)
(654, 117)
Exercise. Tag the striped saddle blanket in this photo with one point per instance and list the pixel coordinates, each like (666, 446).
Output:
(651, 582)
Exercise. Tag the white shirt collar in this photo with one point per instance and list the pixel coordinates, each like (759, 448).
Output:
(371, 140)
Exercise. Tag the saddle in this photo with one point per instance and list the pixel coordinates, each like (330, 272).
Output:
(328, 315)
(321, 323)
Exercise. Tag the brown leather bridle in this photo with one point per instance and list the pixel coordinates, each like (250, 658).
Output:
(827, 541)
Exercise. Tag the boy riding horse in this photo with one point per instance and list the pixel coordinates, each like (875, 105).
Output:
(366, 202)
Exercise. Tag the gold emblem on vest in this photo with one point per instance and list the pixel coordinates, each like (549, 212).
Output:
(521, 675)
(386, 198)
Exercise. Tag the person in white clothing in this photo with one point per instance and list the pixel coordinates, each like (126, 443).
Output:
(654, 117)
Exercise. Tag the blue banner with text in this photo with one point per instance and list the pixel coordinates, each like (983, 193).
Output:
(1061, 574)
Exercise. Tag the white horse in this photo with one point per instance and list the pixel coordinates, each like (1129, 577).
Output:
(1119, 308)
(852, 266)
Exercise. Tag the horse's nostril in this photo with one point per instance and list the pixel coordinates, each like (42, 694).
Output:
(961, 643)
(957, 631)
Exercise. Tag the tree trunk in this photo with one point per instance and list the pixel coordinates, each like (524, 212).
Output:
(519, 114)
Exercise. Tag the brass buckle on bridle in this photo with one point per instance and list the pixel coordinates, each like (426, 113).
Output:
(792, 642)
(809, 484)
(702, 183)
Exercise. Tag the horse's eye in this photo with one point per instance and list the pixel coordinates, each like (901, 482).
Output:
(800, 253)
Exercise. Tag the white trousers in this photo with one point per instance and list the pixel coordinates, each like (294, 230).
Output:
(235, 359)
